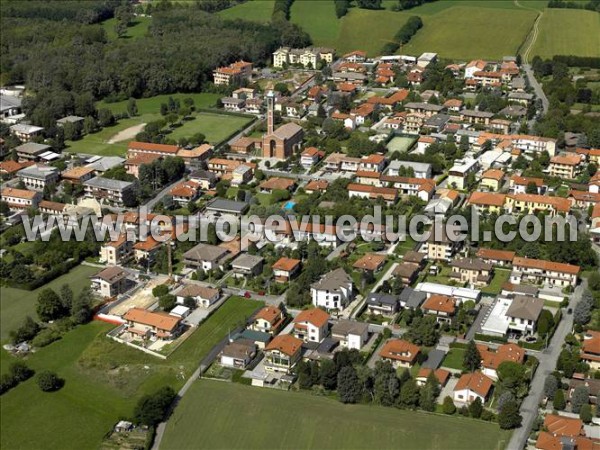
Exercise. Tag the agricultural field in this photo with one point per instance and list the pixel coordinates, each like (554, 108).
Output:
(318, 19)
(210, 410)
(16, 304)
(103, 380)
(568, 32)
(253, 10)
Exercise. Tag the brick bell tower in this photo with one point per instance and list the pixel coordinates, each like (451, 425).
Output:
(270, 112)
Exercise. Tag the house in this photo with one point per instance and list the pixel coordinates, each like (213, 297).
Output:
(135, 148)
(591, 384)
(590, 349)
(185, 192)
(38, 176)
(474, 66)
(316, 186)
(551, 273)
(269, 319)
(441, 376)
(389, 195)
(500, 258)
(31, 151)
(407, 272)
(146, 250)
(311, 325)
(415, 258)
(110, 282)
(311, 156)
(116, 251)
(233, 104)
(453, 105)
(471, 386)
(333, 290)
(460, 171)
(357, 56)
(523, 314)
(400, 353)
(205, 296)
(404, 168)
(440, 247)
(278, 184)
(242, 174)
(351, 334)
(458, 294)
(282, 353)
(247, 265)
(492, 179)
(102, 164)
(70, 119)
(24, 132)
(519, 185)
(205, 179)
(532, 204)
(285, 269)
(549, 441)
(228, 207)
(491, 360)
(238, 354)
(427, 109)
(440, 306)
(9, 168)
(77, 175)
(154, 326)
(52, 208)
(21, 199)
(379, 303)
(565, 166)
(234, 73)
(558, 425)
(411, 298)
(205, 257)
(108, 190)
(474, 271)
(371, 262)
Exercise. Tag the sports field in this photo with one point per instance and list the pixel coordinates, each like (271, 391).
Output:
(216, 127)
(104, 379)
(568, 32)
(151, 105)
(16, 304)
(217, 415)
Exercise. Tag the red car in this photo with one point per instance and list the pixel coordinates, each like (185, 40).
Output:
(247, 294)
(261, 292)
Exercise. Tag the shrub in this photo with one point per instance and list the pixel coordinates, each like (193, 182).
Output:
(487, 415)
(49, 381)
(46, 337)
(20, 372)
(448, 405)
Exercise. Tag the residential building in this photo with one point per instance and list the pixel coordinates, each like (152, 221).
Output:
(474, 271)
(205, 257)
(379, 303)
(351, 335)
(370, 262)
(492, 179)
(285, 269)
(590, 349)
(21, 199)
(558, 425)
(523, 314)
(311, 325)
(110, 282)
(400, 353)
(38, 176)
(439, 246)
(135, 148)
(108, 190)
(500, 258)
(238, 354)
(307, 57)
(565, 166)
(491, 359)
(460, 171)
(117, 251)
(441, 376)
(31, 151)
(277, 183)
(247, 265)
(205, 296)
(24, 132)
(77, 175)
(269, 319)
(333, 290)
(471, 386)
(282, 353)
(519, 185)
(542, 271)
(145, 251)
(407, 272)
(234, 73)
(532, 204)
(440, 306)
(311, 156)
(150, 325)
(487, 202)
(403, 168)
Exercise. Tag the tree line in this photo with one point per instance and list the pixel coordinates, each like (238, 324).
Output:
(592, 5)
(404, 35)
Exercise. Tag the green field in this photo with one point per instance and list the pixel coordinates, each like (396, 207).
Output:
(151, 105)
(16, 304)
(400, 144)
(216, 127)
(318, 19)
(216, 415)
(253, 10)
(137, 29)
(501, 276)
(104, 379)
(454, 358)
(568, 32)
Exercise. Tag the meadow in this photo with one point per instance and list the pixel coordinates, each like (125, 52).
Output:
(16, 304)
(210, 411)
(568, 32)
(138, 28)
(253, 10)
(103, 380)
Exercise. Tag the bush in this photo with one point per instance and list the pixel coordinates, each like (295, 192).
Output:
(152, 409)
(46, 337)
(49, 381)
(6, 382)
(448, 406)
(585, 413)
(20, 372)
(487, 415)
(160, 290)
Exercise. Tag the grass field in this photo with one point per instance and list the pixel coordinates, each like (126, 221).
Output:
(16, 304)
(151, 105)
(253, 10)
(216, 127)
(80, 414)
(216, 415)
(568, 32)
(400, 144)
(136, 30)
(318, 19)
(454, 358)
(501, 276)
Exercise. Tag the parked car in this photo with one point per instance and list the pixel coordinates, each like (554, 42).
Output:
(247, 294)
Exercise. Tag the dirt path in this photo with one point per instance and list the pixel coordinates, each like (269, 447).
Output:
(532, 36)
(127, 134)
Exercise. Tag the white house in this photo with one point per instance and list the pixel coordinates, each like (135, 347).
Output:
(311, 325)
(351, 334)
(203, 295)
(471, 386)
(333, 290)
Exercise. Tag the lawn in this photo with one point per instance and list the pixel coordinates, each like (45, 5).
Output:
(16, 304)
(138, 28)
(454, 358)
(210, 411)
(254, 10)
(568, 32)
(452, 33)
(216, 127)
(400, 144)
(501, 276)
(151, 105)
(104, 379)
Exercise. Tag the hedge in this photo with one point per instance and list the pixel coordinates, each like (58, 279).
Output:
(488, 338)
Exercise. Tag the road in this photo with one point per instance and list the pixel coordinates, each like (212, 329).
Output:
(150, 204)
(547, 359)
(537, 87)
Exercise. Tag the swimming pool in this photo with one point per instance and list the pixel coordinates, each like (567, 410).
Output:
(289, 205)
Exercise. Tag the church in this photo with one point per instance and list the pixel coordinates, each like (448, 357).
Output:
(280, 143)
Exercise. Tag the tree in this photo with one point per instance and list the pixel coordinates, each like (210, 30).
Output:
(132, 109)
(510, 417)
(386, 386)
(152, 409)
(504, 398)
(348, 385)
(511, 374)
(160, 290)
(427, 396)
(50, 306)
(559, 403)
(448, 405)
(472, 357)
(585, 413)
(476, 408)
(105, 117)
(189, 302)
(49, 381)
(409, 394)
(583, 311)
(20, 372)
(580, 397)
(550, 386)
(81, 308)
(545, 322)
(167, 302)
(328, 375)
(27, 331)
(66, 296)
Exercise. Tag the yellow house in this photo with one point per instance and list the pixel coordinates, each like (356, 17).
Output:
(492, 179)
(487, 202)
(532, 204)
